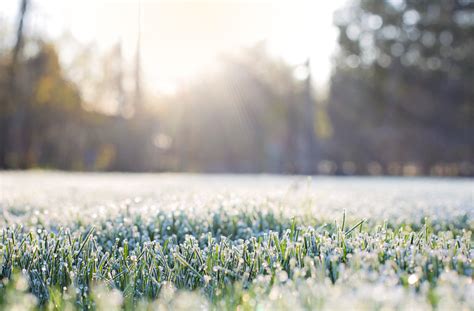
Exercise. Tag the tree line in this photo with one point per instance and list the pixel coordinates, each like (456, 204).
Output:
(400, 102)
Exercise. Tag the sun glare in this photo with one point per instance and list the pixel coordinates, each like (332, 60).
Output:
(180, 39)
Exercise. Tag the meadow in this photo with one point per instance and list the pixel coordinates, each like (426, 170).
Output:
(197, 242)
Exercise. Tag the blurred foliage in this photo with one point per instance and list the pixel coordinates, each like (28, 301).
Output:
(247, 116)
(400, 102)
(57, 131)
(402, 85)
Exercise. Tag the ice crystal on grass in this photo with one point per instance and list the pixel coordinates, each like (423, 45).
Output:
(247, 243)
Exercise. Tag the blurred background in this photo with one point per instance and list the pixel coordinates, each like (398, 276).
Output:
(368, 87)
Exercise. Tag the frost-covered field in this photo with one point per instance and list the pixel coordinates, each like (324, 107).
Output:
(235, 242)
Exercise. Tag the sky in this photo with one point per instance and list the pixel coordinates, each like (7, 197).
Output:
(180, 38)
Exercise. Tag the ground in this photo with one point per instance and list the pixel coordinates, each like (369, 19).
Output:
(104, 241)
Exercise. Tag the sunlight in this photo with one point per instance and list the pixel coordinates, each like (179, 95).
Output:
(236, 155)
(180, 39)
(304, 29)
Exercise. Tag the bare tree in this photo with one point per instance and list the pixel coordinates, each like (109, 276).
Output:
(15, 139)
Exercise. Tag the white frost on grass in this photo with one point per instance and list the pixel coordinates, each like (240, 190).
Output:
(59, 197)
